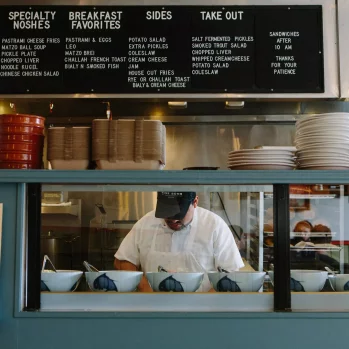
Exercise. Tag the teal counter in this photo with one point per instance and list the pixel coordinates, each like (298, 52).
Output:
(153, 330)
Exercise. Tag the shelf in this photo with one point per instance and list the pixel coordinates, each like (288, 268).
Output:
(72, 208)
(313, 248)
(296, 234)
(305, 196)
(220, 177)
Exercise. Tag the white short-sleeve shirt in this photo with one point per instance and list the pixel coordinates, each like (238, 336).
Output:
(213, 246)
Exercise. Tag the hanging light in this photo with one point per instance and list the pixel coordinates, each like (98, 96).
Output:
(178, 104)
(234, 104)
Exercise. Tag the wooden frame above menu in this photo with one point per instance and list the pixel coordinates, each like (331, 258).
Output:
(161, 50)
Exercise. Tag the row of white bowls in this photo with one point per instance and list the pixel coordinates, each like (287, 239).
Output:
(127, 281)
(238, 281)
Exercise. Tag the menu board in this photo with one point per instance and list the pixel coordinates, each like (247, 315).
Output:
(170, 49)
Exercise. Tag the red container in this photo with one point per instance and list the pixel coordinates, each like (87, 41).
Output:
(13, 156)
(18, 165)
(18, 129)
(21, 138)
(22, 119)
(21, 147)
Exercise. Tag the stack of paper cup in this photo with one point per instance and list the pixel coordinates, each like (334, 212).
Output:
(69, 147)
(128, 144)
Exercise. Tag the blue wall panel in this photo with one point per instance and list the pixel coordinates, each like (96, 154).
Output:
(8, 325)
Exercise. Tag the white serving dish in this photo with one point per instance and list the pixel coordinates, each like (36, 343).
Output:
(61, 281)
(130, 165)
(174, 282)
(113, 280)
(305, 280)
(69, 164)
(237, 281)
(339, 282)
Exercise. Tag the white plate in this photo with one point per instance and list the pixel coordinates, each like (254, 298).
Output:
(263, 157)
(321, 156)
(289, 163)
(261, 151)
(324, 137)
(267, 147)
(324, 150)
(320, 147)
(323, 167)
(323, 133)
(324, 162)
(322, 122)
(301, 144)
(261, 167)
(330, 126)
(316, 118)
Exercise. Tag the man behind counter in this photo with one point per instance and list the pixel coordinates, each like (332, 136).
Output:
(179, 236)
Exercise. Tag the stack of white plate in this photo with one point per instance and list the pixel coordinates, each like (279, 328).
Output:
(261, 159)
(322, 142)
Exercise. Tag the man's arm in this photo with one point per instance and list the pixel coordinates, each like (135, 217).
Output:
(125, 265)
(226, 252)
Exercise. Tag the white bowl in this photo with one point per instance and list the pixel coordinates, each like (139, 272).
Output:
(113, 280)
(174, 282)
(305, 280)
(62, 281)
(237, 281)
(339, 282)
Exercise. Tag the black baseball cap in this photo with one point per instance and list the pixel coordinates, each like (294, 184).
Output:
(173, 205)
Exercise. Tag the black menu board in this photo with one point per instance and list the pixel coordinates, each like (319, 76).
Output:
(170, 49)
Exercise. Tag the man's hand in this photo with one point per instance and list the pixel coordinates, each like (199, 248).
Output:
(144, 285)
(125, 265)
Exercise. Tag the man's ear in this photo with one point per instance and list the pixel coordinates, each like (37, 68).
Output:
(196, 201)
